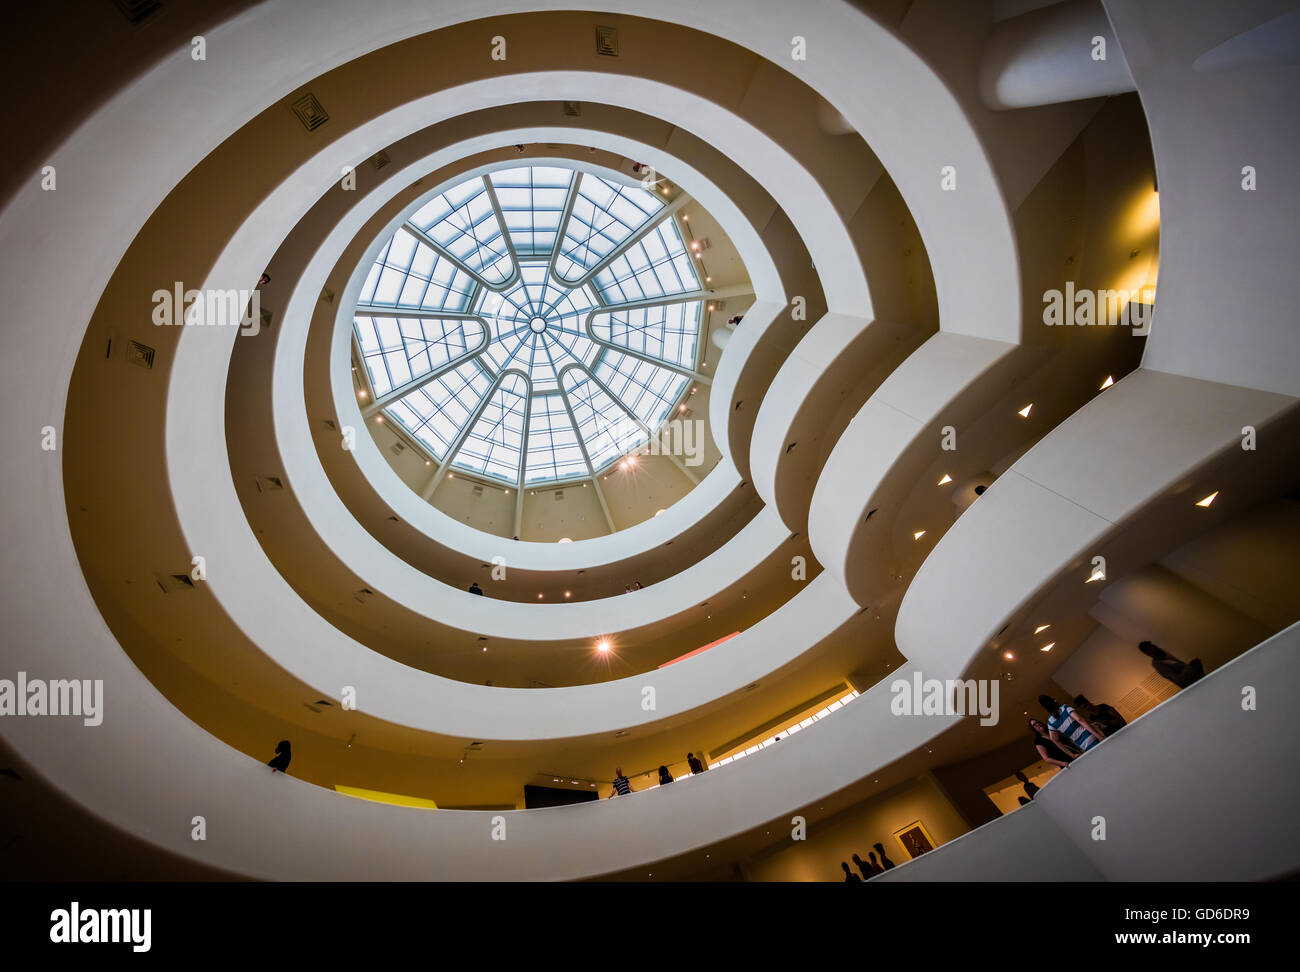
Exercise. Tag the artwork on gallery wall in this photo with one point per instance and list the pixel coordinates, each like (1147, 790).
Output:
(915, 839)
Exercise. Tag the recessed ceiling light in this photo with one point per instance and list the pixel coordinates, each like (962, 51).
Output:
(1024, 412)
(1097, 575)
(946, 480)
(1041, 628)
(1048, 647)
(1009, 656)
(1208, 500)
(918, 534)
(379, 418)
(568, 593)
(362, 393)
(428, 462)
(602, 645)
(1110, 380)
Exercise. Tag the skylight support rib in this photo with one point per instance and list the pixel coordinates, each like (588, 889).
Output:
(359, 365)
(505, 232)
(396, 394)
(582, 445)
(640, 356)
(565, 216)
(468, 427)
(650, 436)
(663, 215)
(446, 254)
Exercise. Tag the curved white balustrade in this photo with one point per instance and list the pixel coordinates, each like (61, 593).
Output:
(1053, 509)
(969, 238)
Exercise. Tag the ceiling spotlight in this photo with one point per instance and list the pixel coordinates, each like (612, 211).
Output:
(1097, 575)
(1204, 503)
(1110, 380)
(1041, 628)
(539, 597)
(602, 646)
(1048, 647)
(362, 393)
(918, 534)
(568, 593)
(946, 480)
(428, 462)
(1024, 412)
(1009, 656)
(379, 418)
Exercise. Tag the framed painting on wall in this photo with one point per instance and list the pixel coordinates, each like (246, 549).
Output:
(915, 839)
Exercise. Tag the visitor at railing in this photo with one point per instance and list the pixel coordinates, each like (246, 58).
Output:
(849, 876)
(1069, 727)
(694, 763)
(664, 776)
(280, 761)
(475, 589)
(1047, 750)
(868, 870)
(1104, 717)
(1179, 672)
(1030, 788)
(622, 786)
(885, 862)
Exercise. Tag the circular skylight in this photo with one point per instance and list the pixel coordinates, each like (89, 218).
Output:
(534, 298)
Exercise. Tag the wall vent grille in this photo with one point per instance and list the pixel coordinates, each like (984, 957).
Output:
(380, 159)
(138, 12)
(607, 41)
(309, 111)
(140, 355)
(269, 484)
(573, 109)
(169, 583)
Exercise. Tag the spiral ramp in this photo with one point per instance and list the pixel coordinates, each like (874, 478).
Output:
(878, 201)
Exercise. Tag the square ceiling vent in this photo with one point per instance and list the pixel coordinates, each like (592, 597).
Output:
(607, 41)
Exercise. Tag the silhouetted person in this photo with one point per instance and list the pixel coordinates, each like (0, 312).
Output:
(1065, 723)
(280, 761)
(694, 763)
(1047, 750)
(1024, 801)
(885, 862)
(1030, 788)
(1104, 717)
(875, 867)
(622, 787)
(664, 776)
(1181, 673)
(849, 876)
(264, 280)
(475, 589)
(868, 872)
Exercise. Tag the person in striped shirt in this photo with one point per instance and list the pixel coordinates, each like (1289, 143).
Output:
(1069, 726)
(622, 787)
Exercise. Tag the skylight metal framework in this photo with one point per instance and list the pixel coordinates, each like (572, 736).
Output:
(532, 325)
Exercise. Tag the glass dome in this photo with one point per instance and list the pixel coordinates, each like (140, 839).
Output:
(538, 297)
